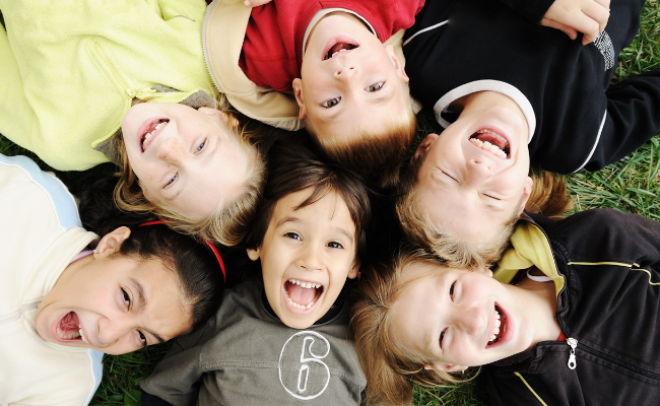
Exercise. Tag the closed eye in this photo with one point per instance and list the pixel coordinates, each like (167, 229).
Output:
(492, 197)
(293, 236)
(330, 103)
(202, 145)
(451, 177)
(171, 181)
(442, 337)
(451, 291)
(375, 87)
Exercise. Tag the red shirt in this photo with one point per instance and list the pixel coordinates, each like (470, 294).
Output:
(272, 49)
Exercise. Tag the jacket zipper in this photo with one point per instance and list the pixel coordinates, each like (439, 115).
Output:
(573, 343)
(209, 9)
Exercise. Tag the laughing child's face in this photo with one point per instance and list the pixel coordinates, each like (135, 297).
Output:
(113, 303)
(350, 82)
(474, 176)
(185, 158)
(306, 256)
(458, 318)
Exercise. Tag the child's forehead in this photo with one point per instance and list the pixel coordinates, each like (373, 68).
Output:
(328, 205)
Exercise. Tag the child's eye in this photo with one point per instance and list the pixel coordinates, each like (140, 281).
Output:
(293, 236)
(442, 337)
(127, 299)
(375, 87)
(451, 177)
(143, 339)
(331, 102)
(172, 180)
(202, 145)
(451, 291)
(494, 198)
(335, 244)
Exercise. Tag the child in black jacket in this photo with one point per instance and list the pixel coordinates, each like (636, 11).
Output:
(510, 92)
(570, 317)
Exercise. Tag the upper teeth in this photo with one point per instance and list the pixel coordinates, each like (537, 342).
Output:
(149, 134)
(496, 330)
(341, 50)
(487, 145)
(82, 335)
(308, 285)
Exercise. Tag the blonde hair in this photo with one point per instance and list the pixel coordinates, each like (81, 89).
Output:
(391, 369)
(549, 197)
(376, 156)
(226, 225)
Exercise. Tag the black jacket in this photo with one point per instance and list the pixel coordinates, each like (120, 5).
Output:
(580, 122)
(609, 303)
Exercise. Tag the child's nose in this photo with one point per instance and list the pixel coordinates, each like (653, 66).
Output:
(172, 151)
(478, 171)
(346, 73)
(472, 320)
(310, 258)
(111, 330)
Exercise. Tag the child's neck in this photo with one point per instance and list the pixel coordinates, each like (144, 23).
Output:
(541, 300)
(486, 99)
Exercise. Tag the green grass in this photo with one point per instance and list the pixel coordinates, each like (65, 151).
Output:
(630, 185)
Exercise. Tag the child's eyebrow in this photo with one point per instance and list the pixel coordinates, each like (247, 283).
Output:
(139, 289)
(344, 232)
(140, 292)
(288, 219)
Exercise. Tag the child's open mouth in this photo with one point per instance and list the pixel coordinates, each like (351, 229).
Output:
(69, 328)
(302, 295)
(499, 328)
(492, 142)
(337, 48)
(150, 131)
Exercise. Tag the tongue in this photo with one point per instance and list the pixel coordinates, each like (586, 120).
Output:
(300, 295)
(492, 138)
(338, 47)
(70, 322)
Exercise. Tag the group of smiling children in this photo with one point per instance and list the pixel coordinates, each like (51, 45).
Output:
(170, 91)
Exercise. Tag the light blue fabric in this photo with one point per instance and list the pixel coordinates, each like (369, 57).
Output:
(65, 206)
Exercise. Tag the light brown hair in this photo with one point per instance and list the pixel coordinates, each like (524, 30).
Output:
(549, 197)
(391, 369)
(226, 225)
(377, 157)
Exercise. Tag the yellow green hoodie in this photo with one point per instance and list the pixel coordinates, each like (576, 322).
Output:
(71, 68)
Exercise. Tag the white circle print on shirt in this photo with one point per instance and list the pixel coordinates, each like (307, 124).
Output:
(302, 372)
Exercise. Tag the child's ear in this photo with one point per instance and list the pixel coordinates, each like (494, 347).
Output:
(111, 242)
(397, 64)
(300, 98)
(354, 269)
(485, 270)
(424, 146)
(224, 118)
(253, 253)
(527, 191)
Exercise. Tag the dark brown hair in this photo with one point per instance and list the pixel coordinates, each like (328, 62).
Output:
(295, 166)
(197, 268)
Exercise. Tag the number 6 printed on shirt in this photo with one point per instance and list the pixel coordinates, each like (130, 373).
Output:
(302, 373)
